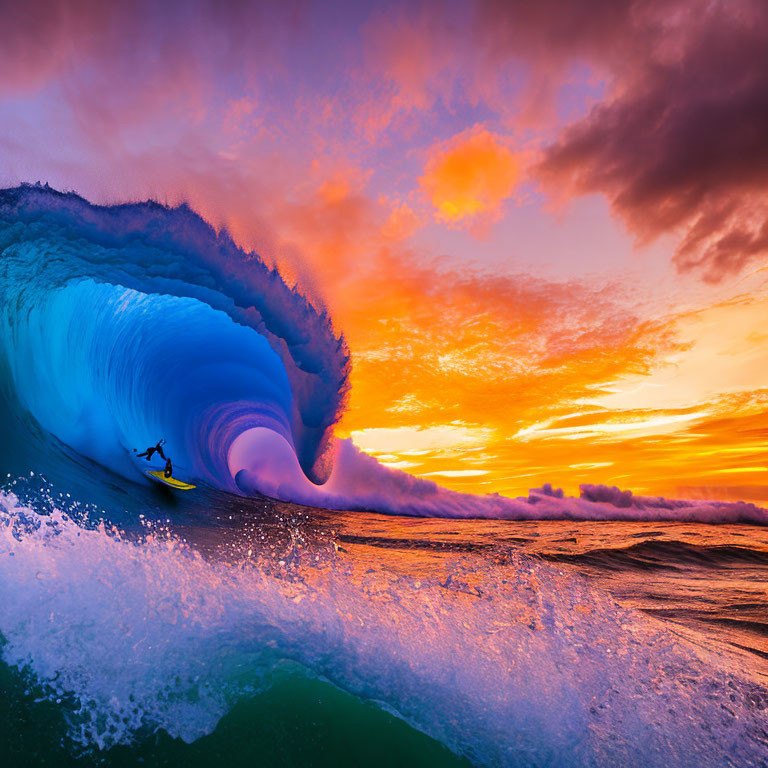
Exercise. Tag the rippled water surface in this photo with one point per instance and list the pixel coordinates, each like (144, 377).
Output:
(709, 582)
(216, 626)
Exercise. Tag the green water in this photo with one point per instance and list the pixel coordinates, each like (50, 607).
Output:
(298, 722)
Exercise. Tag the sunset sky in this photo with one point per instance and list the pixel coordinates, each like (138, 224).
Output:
(542, 226)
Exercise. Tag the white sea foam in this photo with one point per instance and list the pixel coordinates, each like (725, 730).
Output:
(513, 664)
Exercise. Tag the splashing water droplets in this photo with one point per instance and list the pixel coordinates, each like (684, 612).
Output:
(510, 663)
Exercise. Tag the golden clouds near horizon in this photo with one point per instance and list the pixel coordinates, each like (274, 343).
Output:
(640, 409)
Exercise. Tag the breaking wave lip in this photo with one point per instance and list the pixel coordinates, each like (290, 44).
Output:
(508, 664)
(121, 324)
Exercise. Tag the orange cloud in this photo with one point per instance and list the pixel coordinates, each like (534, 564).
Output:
(471, 177)
(402, 222)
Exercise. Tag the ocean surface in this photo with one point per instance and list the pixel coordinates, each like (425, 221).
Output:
(257, 632)
(370, 618)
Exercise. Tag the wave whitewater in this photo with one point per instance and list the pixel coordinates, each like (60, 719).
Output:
(515, 664)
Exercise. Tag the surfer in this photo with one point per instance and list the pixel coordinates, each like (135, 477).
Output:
(157, 449)
(150, 452)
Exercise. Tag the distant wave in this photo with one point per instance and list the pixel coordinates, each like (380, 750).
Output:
(123, 324)
(663, 555)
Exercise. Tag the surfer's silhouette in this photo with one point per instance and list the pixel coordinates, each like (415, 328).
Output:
(157, 449)
(150, 452)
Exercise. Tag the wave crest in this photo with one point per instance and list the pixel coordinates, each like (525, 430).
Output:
(122, 324)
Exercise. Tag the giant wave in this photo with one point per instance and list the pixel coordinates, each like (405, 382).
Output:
(120, 324)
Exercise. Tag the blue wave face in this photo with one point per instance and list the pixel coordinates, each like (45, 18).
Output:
(123, 325)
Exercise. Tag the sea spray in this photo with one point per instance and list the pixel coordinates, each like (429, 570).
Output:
(509, 664)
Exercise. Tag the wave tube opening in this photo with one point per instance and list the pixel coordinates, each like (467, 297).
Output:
(122, 325)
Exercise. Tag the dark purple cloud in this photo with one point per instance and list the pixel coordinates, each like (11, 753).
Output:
(680, 144)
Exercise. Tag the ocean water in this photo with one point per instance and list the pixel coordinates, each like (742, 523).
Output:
(265, 631)
(368, 617)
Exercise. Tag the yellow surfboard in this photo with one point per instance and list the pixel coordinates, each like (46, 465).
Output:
(179, 485)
